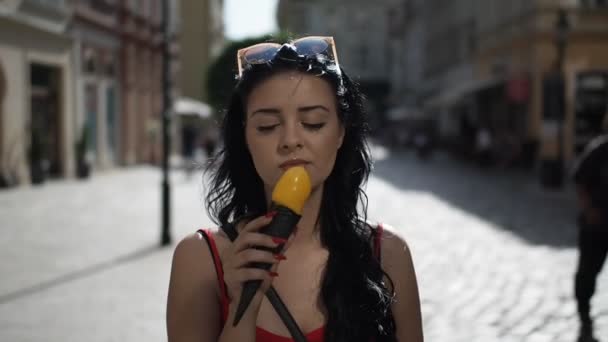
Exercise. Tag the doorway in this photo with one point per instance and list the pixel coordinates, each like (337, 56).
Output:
(45, 148)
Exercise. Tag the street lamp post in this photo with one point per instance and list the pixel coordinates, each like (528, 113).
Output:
(166, 88)
(562, 27)
(552, 169)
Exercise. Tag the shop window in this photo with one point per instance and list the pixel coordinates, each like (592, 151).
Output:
(109, 64)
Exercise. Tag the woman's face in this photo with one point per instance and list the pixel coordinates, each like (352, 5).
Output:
(291, 119)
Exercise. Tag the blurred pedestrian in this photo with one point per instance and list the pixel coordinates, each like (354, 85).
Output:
(344, 279)
(483, 146)
(591, 178)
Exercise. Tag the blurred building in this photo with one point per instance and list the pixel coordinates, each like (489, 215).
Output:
(486, 64)
(37, 111)
(201, 38)
(97, 50)
(141, 59)
(83, 81)
(361, 32)
(407, 35)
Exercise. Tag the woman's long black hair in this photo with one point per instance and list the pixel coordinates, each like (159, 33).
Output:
(356, 300)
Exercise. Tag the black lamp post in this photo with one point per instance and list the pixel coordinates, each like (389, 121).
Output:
(562, 27)
(166, 88)
(552, 169)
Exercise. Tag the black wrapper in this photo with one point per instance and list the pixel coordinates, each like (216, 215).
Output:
(281, 226)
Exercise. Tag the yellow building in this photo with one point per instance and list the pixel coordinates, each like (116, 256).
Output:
(494, 68)
(522, 52)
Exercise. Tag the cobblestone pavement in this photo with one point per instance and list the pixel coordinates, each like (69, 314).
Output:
(494, 253)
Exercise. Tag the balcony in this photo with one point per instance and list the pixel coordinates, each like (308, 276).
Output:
(100, 12)
(49, 15)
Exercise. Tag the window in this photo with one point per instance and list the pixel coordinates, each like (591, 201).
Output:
(89, 64)
(109, 64)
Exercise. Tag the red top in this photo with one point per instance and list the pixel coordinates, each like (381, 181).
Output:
(261, 334)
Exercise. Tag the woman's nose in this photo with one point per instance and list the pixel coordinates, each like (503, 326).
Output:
(290, 139)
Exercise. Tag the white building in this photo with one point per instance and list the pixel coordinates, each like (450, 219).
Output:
(36, 109)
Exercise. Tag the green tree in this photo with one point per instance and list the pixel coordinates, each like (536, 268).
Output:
(221, 72)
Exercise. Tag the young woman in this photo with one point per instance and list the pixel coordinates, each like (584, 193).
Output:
(341, 278)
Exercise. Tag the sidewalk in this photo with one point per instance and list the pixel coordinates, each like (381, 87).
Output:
(80, 259)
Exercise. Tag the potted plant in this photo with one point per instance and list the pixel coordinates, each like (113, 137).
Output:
(83, 168)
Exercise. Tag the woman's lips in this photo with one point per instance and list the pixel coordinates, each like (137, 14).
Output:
(293, 162)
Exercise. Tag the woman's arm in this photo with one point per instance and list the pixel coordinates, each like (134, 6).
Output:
(193, 308)
(397, 262)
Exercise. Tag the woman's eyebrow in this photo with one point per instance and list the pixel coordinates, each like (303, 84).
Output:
(273, 111)
(312, 108)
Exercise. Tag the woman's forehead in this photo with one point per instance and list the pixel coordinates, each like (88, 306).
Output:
(291, 88)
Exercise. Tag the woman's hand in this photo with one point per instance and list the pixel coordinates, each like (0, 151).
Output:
(240, 254)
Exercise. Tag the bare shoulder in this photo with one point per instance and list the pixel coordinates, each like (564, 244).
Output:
(191, 255)
(193, 249)
(394, 245)
(396, 257)
(193, 292)
(398, 264)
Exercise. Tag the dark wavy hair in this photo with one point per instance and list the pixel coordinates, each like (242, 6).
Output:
(355, 296)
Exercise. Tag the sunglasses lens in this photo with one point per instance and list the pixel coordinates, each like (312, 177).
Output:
(312, 46)
(260, 53)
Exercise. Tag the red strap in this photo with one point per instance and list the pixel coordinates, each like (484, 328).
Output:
(218, 270)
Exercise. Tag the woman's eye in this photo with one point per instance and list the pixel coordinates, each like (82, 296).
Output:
(266, 128)
(313, 127)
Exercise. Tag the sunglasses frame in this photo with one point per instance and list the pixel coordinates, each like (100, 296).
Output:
(332, 53)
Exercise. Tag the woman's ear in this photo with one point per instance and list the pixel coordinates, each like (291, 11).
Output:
(341, 138)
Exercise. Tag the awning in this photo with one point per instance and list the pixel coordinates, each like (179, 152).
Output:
(188, 106)
(451, 95)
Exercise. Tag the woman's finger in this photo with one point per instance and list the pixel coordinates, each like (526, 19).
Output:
(250, 255)
(258, 222)
(249, 240)
(273, 273)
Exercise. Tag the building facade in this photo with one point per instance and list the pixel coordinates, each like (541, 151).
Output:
(96, 51)
(361, 32)
(201, 38)
(80, 80)
(525, 51)
(37, 111)
(141, 80)
(486, 65)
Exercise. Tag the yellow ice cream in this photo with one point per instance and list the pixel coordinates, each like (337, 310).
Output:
(292, 189)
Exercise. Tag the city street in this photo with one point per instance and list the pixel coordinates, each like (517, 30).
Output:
(494, 253)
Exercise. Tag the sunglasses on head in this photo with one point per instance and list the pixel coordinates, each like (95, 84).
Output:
(306, 47)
